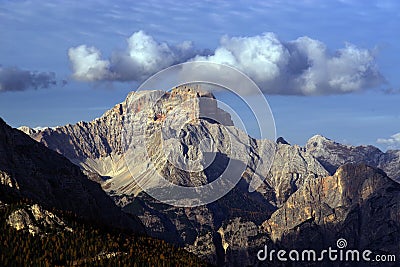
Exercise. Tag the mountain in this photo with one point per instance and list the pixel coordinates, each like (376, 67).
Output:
(97, 146)
(166, 129)
(30, 170)
(332, 155)
(358, 203)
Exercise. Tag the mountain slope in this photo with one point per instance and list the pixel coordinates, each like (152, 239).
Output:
(33, 236)
(29, 169)
(358, 203)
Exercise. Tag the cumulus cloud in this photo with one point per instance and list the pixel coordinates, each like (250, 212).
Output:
(300, 67)
(15, 79)
(260, 57)
(393, 142)
(87, 64)
(143, 57)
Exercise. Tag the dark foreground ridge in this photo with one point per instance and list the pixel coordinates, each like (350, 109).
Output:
(31, 170)
(63, 239)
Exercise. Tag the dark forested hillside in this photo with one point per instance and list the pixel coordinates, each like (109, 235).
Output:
(84, 245)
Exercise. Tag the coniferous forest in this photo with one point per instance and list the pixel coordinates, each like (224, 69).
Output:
(87, 245)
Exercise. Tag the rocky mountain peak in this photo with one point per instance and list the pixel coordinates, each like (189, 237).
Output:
(317, 140)
(145, 109)
(189, 102)
(282, 141)
(137, 101)
(191, 91)
(332, 155)
(27, 130)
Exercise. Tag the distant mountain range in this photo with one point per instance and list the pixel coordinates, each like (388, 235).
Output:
(310, 197)
(332, 155)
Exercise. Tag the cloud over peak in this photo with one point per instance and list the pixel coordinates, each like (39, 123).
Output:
(15, 79)
(300, 67)
(260, 57)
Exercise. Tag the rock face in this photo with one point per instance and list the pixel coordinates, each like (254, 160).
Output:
(30, 170)
(390, 163)
(358, 203)
(238, 242)
(291, 167)
(238, 234)
(36, 220)
(7, 180)
(332, 155)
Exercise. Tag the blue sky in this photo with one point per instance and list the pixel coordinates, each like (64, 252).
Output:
(326, 67)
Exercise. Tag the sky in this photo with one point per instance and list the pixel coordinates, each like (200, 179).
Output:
(325, 67)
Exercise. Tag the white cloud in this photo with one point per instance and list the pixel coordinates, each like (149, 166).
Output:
(87, 64)
(146, 52)
(393, 142)
(300, 67)
(260, 57)
(143, 57)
